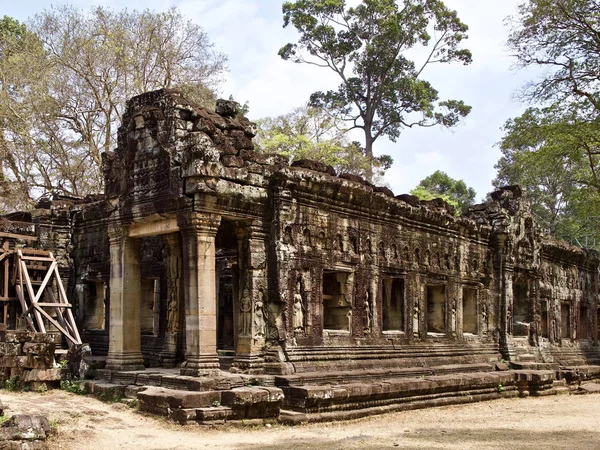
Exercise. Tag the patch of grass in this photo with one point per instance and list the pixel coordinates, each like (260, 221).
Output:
(11, 384)
(53, 426)
(71, 386)
(3, 418)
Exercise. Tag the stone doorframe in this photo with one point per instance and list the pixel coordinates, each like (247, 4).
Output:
(198, 231)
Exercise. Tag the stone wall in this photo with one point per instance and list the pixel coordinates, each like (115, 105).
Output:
(28, 359)
(308, 269)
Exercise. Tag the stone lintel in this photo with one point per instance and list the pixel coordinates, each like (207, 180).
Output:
(153, 228)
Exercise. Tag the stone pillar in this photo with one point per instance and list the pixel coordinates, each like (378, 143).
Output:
(414, 293)
(174, 298)
(124, 351)
(198, 232)
(253, 298)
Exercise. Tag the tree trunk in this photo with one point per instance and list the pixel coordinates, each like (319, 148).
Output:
(369, 153)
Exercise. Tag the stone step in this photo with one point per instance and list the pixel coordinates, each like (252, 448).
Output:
(526, 358)
(349, 376)
(534, 366)
(251, 402)
(415, 392)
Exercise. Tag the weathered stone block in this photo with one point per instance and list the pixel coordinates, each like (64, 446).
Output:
(170, 398)
(41, 375)
(232, 161)
(237, 396)
(27, 427)
(215, 413)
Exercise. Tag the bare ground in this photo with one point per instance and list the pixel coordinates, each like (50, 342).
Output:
(556, 422)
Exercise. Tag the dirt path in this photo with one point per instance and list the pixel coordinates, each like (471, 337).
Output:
(564, 422)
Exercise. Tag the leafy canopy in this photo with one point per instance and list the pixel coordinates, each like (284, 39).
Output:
(554, 150)
(440, 185)
(562, 37)
(311, 133)
(381, 89)
(554, 157)
(60, 114)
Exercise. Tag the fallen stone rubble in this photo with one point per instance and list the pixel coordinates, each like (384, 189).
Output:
(23, 431)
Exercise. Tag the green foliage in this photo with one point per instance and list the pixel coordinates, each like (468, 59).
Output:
(311, 133)
(60, 114)
(440, 185)
(553, 150)
(11, 384)
(367, 46)
(554, 156)
(560, 36)
(72, 387)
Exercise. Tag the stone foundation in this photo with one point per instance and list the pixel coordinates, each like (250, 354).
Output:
(28, 360)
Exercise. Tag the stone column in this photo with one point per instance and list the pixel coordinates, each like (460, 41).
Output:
(453, 308)
(253, 297)
(413, 287)
(174, 297)
(124, 351)
(198, 232)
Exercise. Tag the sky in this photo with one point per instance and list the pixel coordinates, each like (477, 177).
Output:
(250, 32)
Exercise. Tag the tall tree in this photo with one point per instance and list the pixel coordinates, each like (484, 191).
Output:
(562, 37)
(441, 185)
(547, 153)
(22, 95)
(312, 133)
(94, 61)
(554, 150)
(382, 91)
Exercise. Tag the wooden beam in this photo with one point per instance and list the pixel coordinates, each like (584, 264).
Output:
(19, 236)
(57, 325)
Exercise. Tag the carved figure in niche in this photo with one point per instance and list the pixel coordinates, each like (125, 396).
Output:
(245, 313)
(415, 319)
(259, 317)
(367, 318)
(484, 318)
(306, 237)
(346, 283)
(340, 242)
(287, 236)
(298, 312)
(321, 240)
(453, 316)
(349, 317)
(174, 270)
(354, 244)
(173, 316)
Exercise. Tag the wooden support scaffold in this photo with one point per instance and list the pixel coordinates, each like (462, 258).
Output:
(39, 290)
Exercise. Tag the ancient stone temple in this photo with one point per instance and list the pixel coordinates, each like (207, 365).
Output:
(206, 255)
